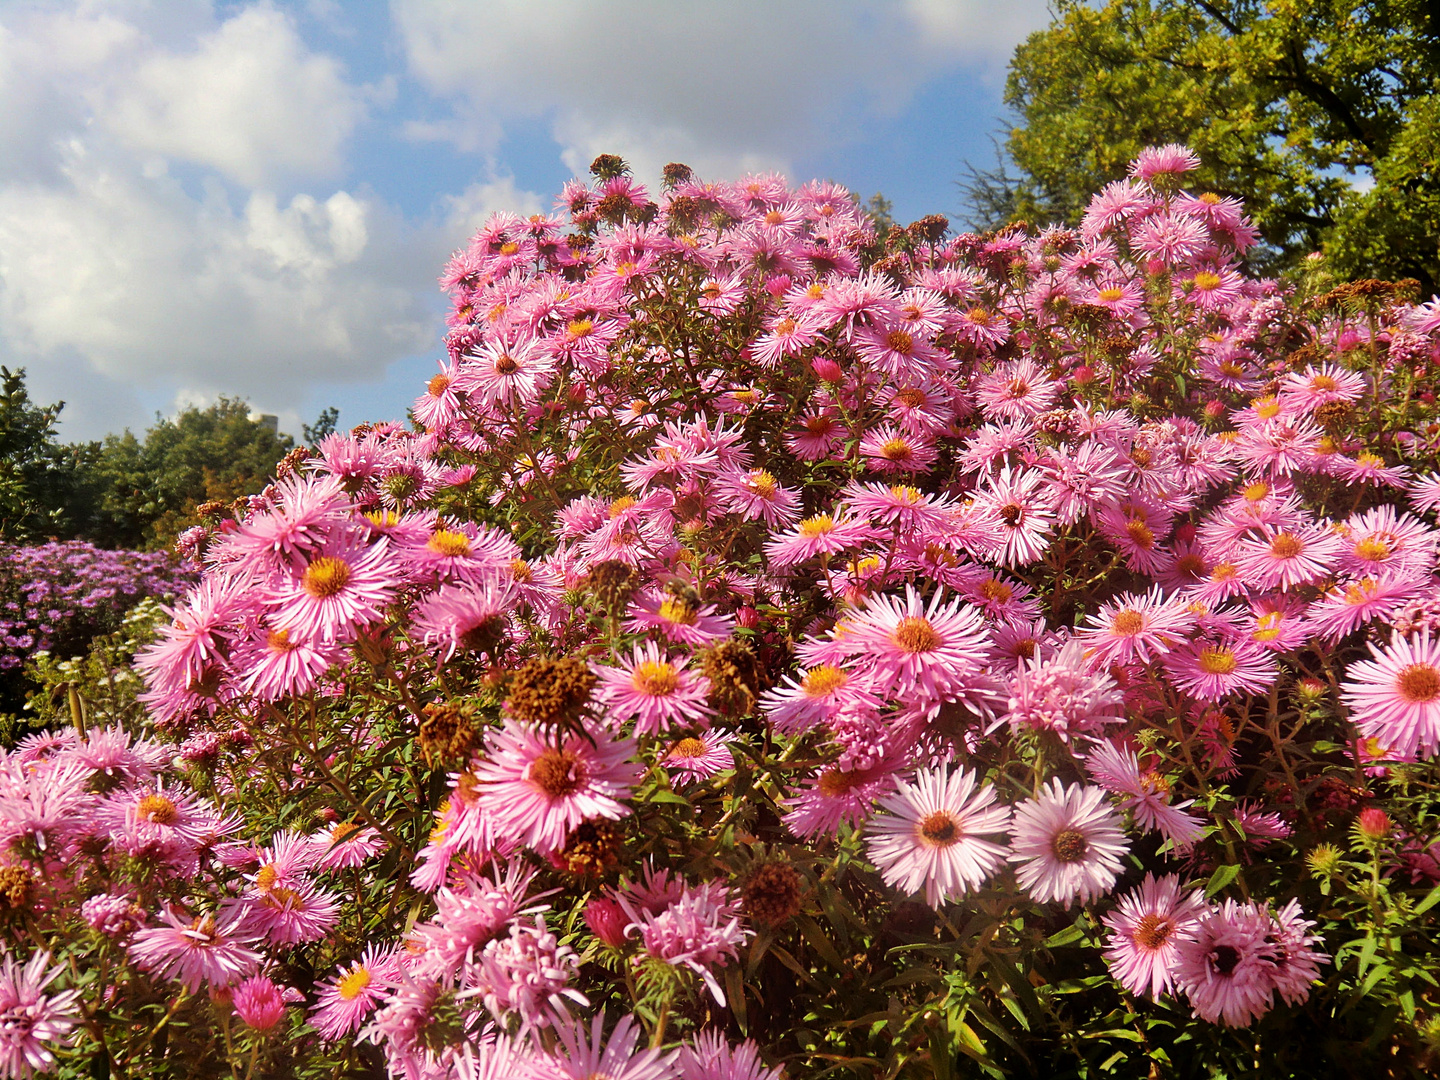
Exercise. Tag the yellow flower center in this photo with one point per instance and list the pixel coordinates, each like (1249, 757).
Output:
(326, 577)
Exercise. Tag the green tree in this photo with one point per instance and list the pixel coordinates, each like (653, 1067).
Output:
(1288, 102)
(39, 476)
(148, 490)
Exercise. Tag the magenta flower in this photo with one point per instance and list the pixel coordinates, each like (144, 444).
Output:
(538, 784)
(1145, 931)
(1226, 966)
(343, 1003)
(30, 1018)
(1394, 698)
(584, 1055)
(700, 930)
(195, 951)
(656, 691)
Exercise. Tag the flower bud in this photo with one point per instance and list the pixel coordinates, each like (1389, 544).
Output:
(827, 369)
(1311, 691)
(1373, 824)
(1083, 375)
(1214, 409)
(607, 921)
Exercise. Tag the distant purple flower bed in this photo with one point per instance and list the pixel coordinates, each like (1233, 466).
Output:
(57, 596)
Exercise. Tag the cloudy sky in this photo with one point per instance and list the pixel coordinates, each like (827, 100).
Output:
(202, 198)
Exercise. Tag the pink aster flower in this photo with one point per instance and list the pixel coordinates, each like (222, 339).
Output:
(928, 835)
(1172, 159)
(466, 918)
(1212, 670)
(1146, 793)
(1024, 516)
(699, 930)
(526, 973)
(820, 694)
(1063, 694)
(1068, 844)
(1297, 965)
(342, 589)
(755, 494)
(890, 450)
(1135, 628)
(1347, 608)
(537, 784)
(343, 1003)
(1145, 930)
(258, 1002)
(678, 618)
(467, 617)
(292, 914)
(1394, 698)
(908, 646)
(273, 664)
(656, 691)
(30, 1018)
(1285, 558)
(582, 1055)
(1226, 967)
(820, 534)
(710, 1056)
(344, 845)
(700, 757)
(195, 951)
(837, 795)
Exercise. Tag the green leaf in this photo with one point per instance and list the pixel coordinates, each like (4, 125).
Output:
(1222, 877)
(1431, 899)
(1071, 934)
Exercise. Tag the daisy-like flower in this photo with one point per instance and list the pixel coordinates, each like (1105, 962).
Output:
(929, 835)
(820, 534)
(1394, 698)
(837, 795)
(1146, 793)
(340, 590)
(1285, 558)
(1024, 516)
(343, 1003)
(292, 914)
(1067, 843)
(1145, 930)
(583, 1055)
(537, 784)
(195, 951)
(679, 618)
(891, 450)
(1315, 386)
(755, 493)
(1212, 670)
(466, 617)
(505, 374)
(345, 844)
(30, 1018)
(710, 1056)
(909, 646)
(1349, 607)
(1135, 628)
(1297, 965)
(1226, 967)
(278, 663)
(657, 691)
(700, 757)
(818, 696)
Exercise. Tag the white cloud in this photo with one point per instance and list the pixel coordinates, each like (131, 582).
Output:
(128, 281)
(730, 86)
(248, 100)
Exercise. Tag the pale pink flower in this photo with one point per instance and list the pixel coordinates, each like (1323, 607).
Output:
(1145, 930)
(1067, 843)
(928, 835)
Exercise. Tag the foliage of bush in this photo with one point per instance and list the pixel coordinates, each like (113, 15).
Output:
(787, 648)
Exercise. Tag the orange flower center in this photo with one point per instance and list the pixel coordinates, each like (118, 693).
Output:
(158, 810)
(448, 542)
(655, 677)
(326, 577)
(557, 773)
(822, 680)
(915, 635)
(940, 829)
(1418, 684)
(1127, 623)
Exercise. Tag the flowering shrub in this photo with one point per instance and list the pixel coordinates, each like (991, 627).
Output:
(786, 648)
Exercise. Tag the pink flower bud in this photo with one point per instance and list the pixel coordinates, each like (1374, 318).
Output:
(1214, 409)
(827, 369)
(748, 617)
(1083, 375)
(606, 920)
(777, 284)
(1373, 823)
(258, 1002)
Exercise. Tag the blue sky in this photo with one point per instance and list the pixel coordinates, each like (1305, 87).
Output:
(254, 199)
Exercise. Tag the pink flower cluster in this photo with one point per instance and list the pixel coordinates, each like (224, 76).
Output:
(1001, 563)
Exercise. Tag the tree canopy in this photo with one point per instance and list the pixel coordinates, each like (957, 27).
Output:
(1321, 115)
